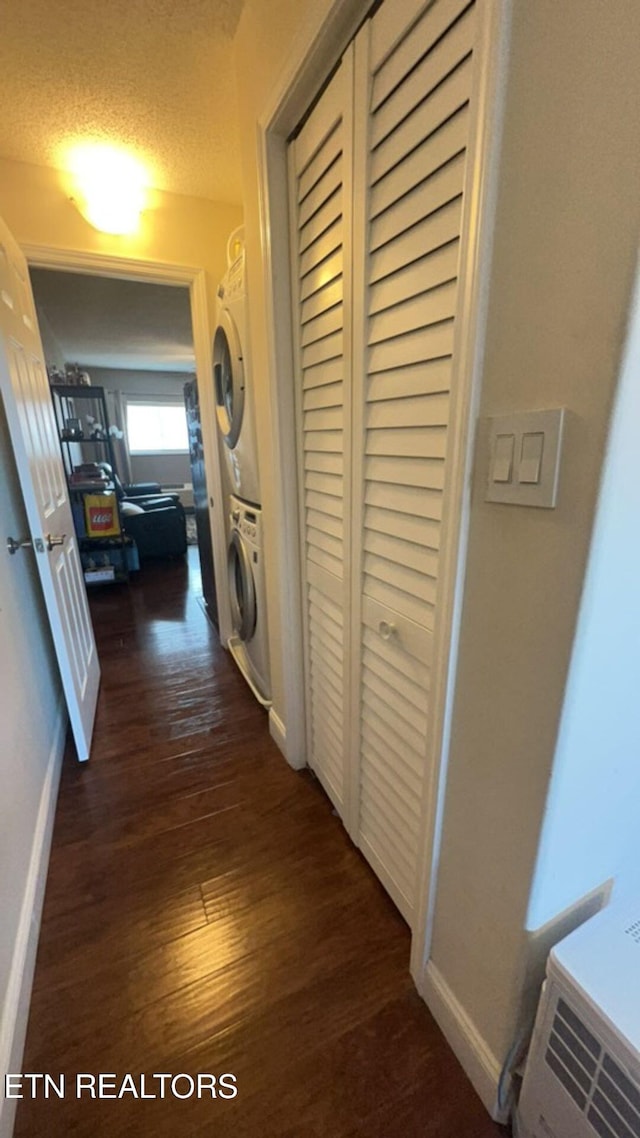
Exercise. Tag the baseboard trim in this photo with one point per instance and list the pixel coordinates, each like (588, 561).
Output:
(15, 1014)
(278, 731)
(474, 1055)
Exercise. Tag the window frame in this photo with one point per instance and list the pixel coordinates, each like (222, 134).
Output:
(154, 401)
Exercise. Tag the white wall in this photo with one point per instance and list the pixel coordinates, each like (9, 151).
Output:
(31, 739)
(567, 221)
(591, 830)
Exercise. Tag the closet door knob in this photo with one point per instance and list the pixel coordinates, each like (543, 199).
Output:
(387, 629)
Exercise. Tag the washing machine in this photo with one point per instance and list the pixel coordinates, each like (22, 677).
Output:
(233, 388)
(247, 594)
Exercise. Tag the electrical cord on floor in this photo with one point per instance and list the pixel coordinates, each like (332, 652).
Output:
(513, 1065)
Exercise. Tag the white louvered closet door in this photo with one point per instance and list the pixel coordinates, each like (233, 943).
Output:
(413, 73)
(413, 67)
(377, 177)
(320, 178)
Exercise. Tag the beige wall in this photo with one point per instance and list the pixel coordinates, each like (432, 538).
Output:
(35, 203)
(566, 235)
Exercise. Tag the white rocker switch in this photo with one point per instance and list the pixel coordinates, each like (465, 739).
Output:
(502, 470)
(531, 457)
(524, 458)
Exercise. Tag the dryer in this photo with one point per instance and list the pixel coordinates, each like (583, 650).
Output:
(247, 593)
(233, 386)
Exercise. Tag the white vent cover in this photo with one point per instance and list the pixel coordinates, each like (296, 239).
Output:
(595, 1082)
(582, 1077)
(183, 489)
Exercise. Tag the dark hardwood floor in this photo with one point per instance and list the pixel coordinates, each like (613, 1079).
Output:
(205, 912)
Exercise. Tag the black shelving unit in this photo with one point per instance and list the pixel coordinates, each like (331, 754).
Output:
(105, 558)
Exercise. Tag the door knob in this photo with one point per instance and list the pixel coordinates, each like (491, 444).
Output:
(50, 540)
(13, 546)
(386, 629)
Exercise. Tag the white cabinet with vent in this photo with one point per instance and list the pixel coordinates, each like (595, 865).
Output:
(377, 175)
(582, 1077)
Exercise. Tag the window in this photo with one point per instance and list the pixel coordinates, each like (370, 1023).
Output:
(157, 428)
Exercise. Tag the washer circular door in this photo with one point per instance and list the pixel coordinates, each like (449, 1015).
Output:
(228, 375)
(242, 589)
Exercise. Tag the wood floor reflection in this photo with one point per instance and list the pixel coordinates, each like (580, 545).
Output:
(205, 912)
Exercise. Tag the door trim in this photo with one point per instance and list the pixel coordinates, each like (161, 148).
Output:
(193, 277)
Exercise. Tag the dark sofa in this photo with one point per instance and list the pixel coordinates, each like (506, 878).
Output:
(155, 521)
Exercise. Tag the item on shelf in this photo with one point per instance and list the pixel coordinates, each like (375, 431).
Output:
(88, 485)
(77, 510)
(56, 375)
(89, 468)
(96, 431)
(101, 515)
(100, 576)
(98, 553)
(88, 473)
(72, 430)
(75, 376)
(88, 476)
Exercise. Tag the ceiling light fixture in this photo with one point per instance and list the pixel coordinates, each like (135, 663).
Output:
(110, 186)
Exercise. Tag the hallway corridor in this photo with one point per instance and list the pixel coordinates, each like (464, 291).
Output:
(206, 912)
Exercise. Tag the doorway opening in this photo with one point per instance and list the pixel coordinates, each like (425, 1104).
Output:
(193, 329)
(131, 342)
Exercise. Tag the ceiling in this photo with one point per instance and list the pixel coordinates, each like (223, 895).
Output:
(155, 76)
(105, 322)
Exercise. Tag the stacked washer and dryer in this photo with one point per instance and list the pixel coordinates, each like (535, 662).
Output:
(235, 410)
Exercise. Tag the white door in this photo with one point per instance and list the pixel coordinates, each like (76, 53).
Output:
(27, 401)
(378, 175)
(320, 172)
(415, 65)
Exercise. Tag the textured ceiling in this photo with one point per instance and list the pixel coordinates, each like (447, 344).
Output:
(103, 322)
(153, 75)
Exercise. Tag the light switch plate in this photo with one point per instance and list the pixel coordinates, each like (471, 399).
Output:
(537, 441)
